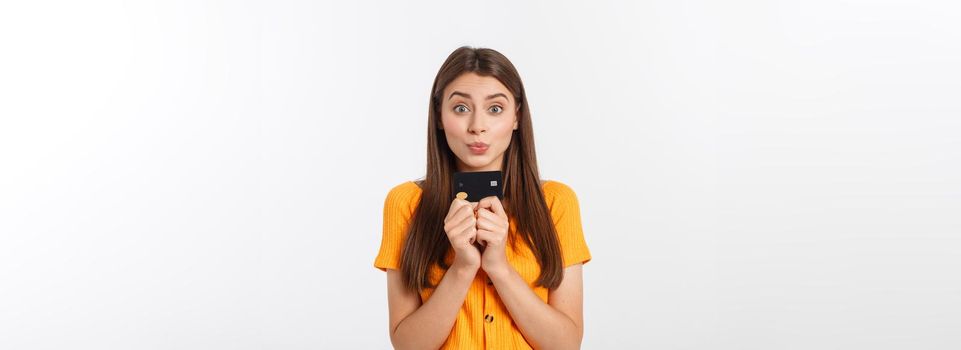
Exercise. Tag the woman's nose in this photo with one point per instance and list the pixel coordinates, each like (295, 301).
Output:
(476, 127)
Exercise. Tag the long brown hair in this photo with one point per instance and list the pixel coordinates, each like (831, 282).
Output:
(523, 200)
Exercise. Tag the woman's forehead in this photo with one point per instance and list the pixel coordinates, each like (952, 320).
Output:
(478, 87)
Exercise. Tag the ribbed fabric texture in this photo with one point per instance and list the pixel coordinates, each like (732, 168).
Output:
(483, 322)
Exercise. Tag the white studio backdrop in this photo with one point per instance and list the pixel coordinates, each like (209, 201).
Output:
(211, 175)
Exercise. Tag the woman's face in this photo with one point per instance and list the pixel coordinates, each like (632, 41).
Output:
(478, 109)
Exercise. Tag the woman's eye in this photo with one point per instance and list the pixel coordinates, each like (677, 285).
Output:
(460, 109)
(496, 109)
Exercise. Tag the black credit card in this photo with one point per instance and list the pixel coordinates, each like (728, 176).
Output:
(479, 184)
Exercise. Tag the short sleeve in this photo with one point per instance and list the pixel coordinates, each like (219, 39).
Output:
(566, 213)
(399, 206)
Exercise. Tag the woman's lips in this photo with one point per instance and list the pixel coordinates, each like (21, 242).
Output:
(478, 148)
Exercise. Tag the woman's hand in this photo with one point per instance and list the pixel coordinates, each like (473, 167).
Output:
(492, 228)
(461, 228)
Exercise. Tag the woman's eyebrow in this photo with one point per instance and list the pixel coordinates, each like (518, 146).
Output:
(459, 94)
(496, 95)
(468, 96)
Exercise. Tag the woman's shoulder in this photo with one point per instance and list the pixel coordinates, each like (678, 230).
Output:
(404, 191)
(551, 188)
(409, 185)
(555, 188)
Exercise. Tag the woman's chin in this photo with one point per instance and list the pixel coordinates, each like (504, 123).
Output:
(476, 162)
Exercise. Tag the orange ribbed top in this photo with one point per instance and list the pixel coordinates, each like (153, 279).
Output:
(470, 330)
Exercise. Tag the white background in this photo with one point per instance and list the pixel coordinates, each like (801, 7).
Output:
(211, 175)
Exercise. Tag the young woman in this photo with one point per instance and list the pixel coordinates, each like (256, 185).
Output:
(487, 274)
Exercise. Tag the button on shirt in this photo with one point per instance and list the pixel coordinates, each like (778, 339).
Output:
(483, 321)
